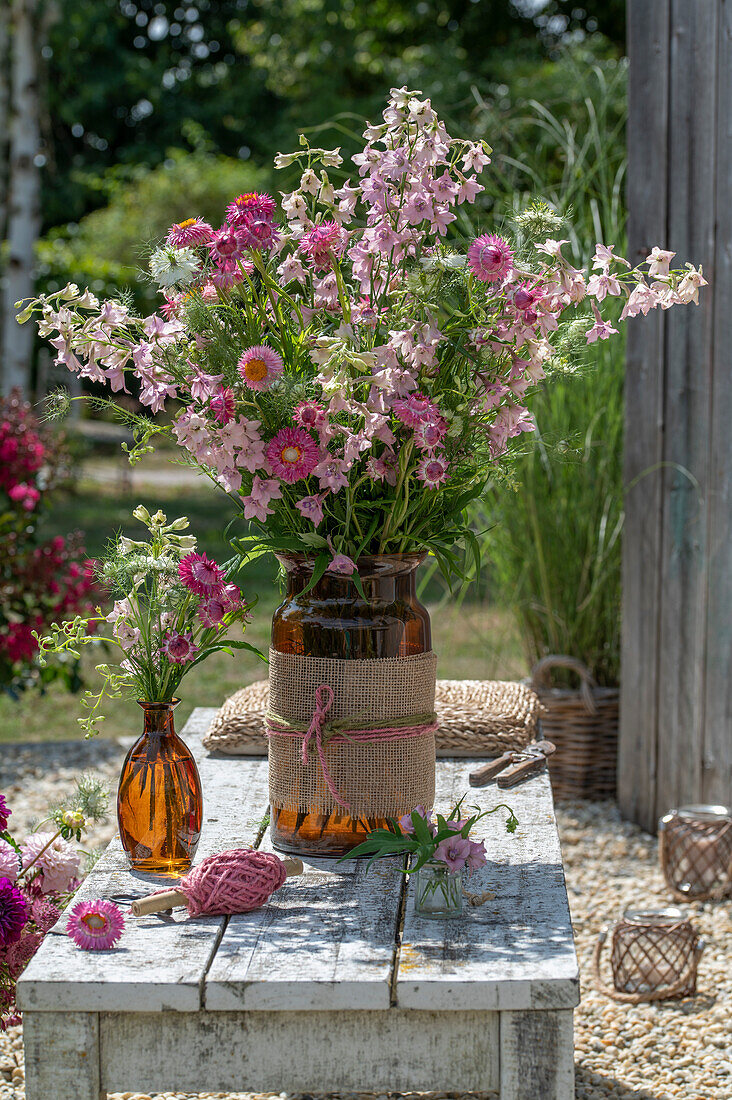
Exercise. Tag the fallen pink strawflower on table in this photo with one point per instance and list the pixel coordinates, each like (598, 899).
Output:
(95, 925)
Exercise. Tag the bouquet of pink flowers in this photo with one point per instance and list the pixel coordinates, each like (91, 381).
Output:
(351, 374)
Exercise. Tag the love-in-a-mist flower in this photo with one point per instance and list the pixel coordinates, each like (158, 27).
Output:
(189, 233)
(179, 648)
(251, 205)
(432, 470)
(259, 367)
(13, 913)
(200, 574)
(95, 925)
(169, 266)
(489, 258)
(292, 454)
(322, 243)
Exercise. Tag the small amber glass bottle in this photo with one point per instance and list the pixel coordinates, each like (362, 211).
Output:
(333, 620)
(159, 801)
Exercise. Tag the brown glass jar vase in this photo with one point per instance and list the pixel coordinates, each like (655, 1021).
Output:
(159, 801)
(333, 620)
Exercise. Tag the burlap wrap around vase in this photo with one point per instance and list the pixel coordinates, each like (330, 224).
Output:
(367, 749)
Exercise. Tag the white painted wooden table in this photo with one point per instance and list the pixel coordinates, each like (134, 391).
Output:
(334, 985)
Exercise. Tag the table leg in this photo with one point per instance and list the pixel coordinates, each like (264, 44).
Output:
(537, 1055)
(62, 1056)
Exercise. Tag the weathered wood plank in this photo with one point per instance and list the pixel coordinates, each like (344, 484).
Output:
(161, 960)
(513, 952)
(537, 1055)
(648, 34)
(717, 741)
(326, 940)
(298, 1052)
(688, 392)
(62, 1056)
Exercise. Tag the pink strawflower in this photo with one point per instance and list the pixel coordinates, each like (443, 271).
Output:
(259, 367)
(324, 243)
(231, 594)
(189, 233)
(211, 611)
(226, 246)
(223, 405)
(309, 414)
(259, 233)
(292, 454)
(489, 258)
(179, 648)
(454, 852)
(9, 861)
(13, 913)
(524, 295)
(201, 575)
(57, 869)
(430, 434)
(251, 205)
(415, 409)
(312, 508)
(95, 925)
(432, 470)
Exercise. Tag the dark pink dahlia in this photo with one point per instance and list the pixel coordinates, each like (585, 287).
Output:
(13, 913)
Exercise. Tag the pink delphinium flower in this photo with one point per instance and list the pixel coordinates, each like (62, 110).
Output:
(601, 330)
(9, 861)
(332, 473)
(312, 508)
(454, 852)
(223, 405)
(251, 205)
(259, 366)
(292, 454)
(256, 505)
(95, 925)
(322, 243)
(57, 866)
(489, 258)
(179, 648)
(13, 913)
(308, 414)
(432, 470)
(189, 233)
(201, 575)
(415, 409)
(340, 563)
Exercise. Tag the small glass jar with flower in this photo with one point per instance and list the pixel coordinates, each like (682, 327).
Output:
(173, 608)
(440, 852)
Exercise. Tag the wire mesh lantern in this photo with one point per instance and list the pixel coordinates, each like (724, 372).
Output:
(654, 955)
(695, 850)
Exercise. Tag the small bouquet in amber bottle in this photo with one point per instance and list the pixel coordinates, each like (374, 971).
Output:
(173, 607)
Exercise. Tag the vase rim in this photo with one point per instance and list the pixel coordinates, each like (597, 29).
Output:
(156, 704)
(364, 564)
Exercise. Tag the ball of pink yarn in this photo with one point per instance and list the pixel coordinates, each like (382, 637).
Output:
(235, 881)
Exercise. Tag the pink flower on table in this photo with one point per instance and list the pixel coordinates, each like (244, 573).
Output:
(324, 243)
(201, 575)
(331, 473)
(309, 414)
(223, 405)
(432, 470)
(248, 206)
(601, 330)
(292, 454)
(453, 852)
(179, 648)
(256, 505)
(477, 857)
(658, 261)
(259, 367)
(189, 233)
(430, 434)
(489, 258)
(312, 507)
(57, 866)
(416, 409)
(95, 925)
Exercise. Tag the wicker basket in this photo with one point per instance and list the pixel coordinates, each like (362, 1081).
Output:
(583, 724)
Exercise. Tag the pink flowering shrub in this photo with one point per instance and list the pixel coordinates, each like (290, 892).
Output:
(173, 607)
(39, 581)
(351, 374)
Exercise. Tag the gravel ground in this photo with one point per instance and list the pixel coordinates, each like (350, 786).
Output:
(674, 1049)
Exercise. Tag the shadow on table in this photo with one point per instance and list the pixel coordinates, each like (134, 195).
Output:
(17, 760)
(586, 1078)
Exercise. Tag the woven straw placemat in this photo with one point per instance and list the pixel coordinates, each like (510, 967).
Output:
(476, 718)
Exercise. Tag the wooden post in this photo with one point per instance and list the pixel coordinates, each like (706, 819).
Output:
(676, 701)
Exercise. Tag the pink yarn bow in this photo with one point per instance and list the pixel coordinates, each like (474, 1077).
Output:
(323, 703)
